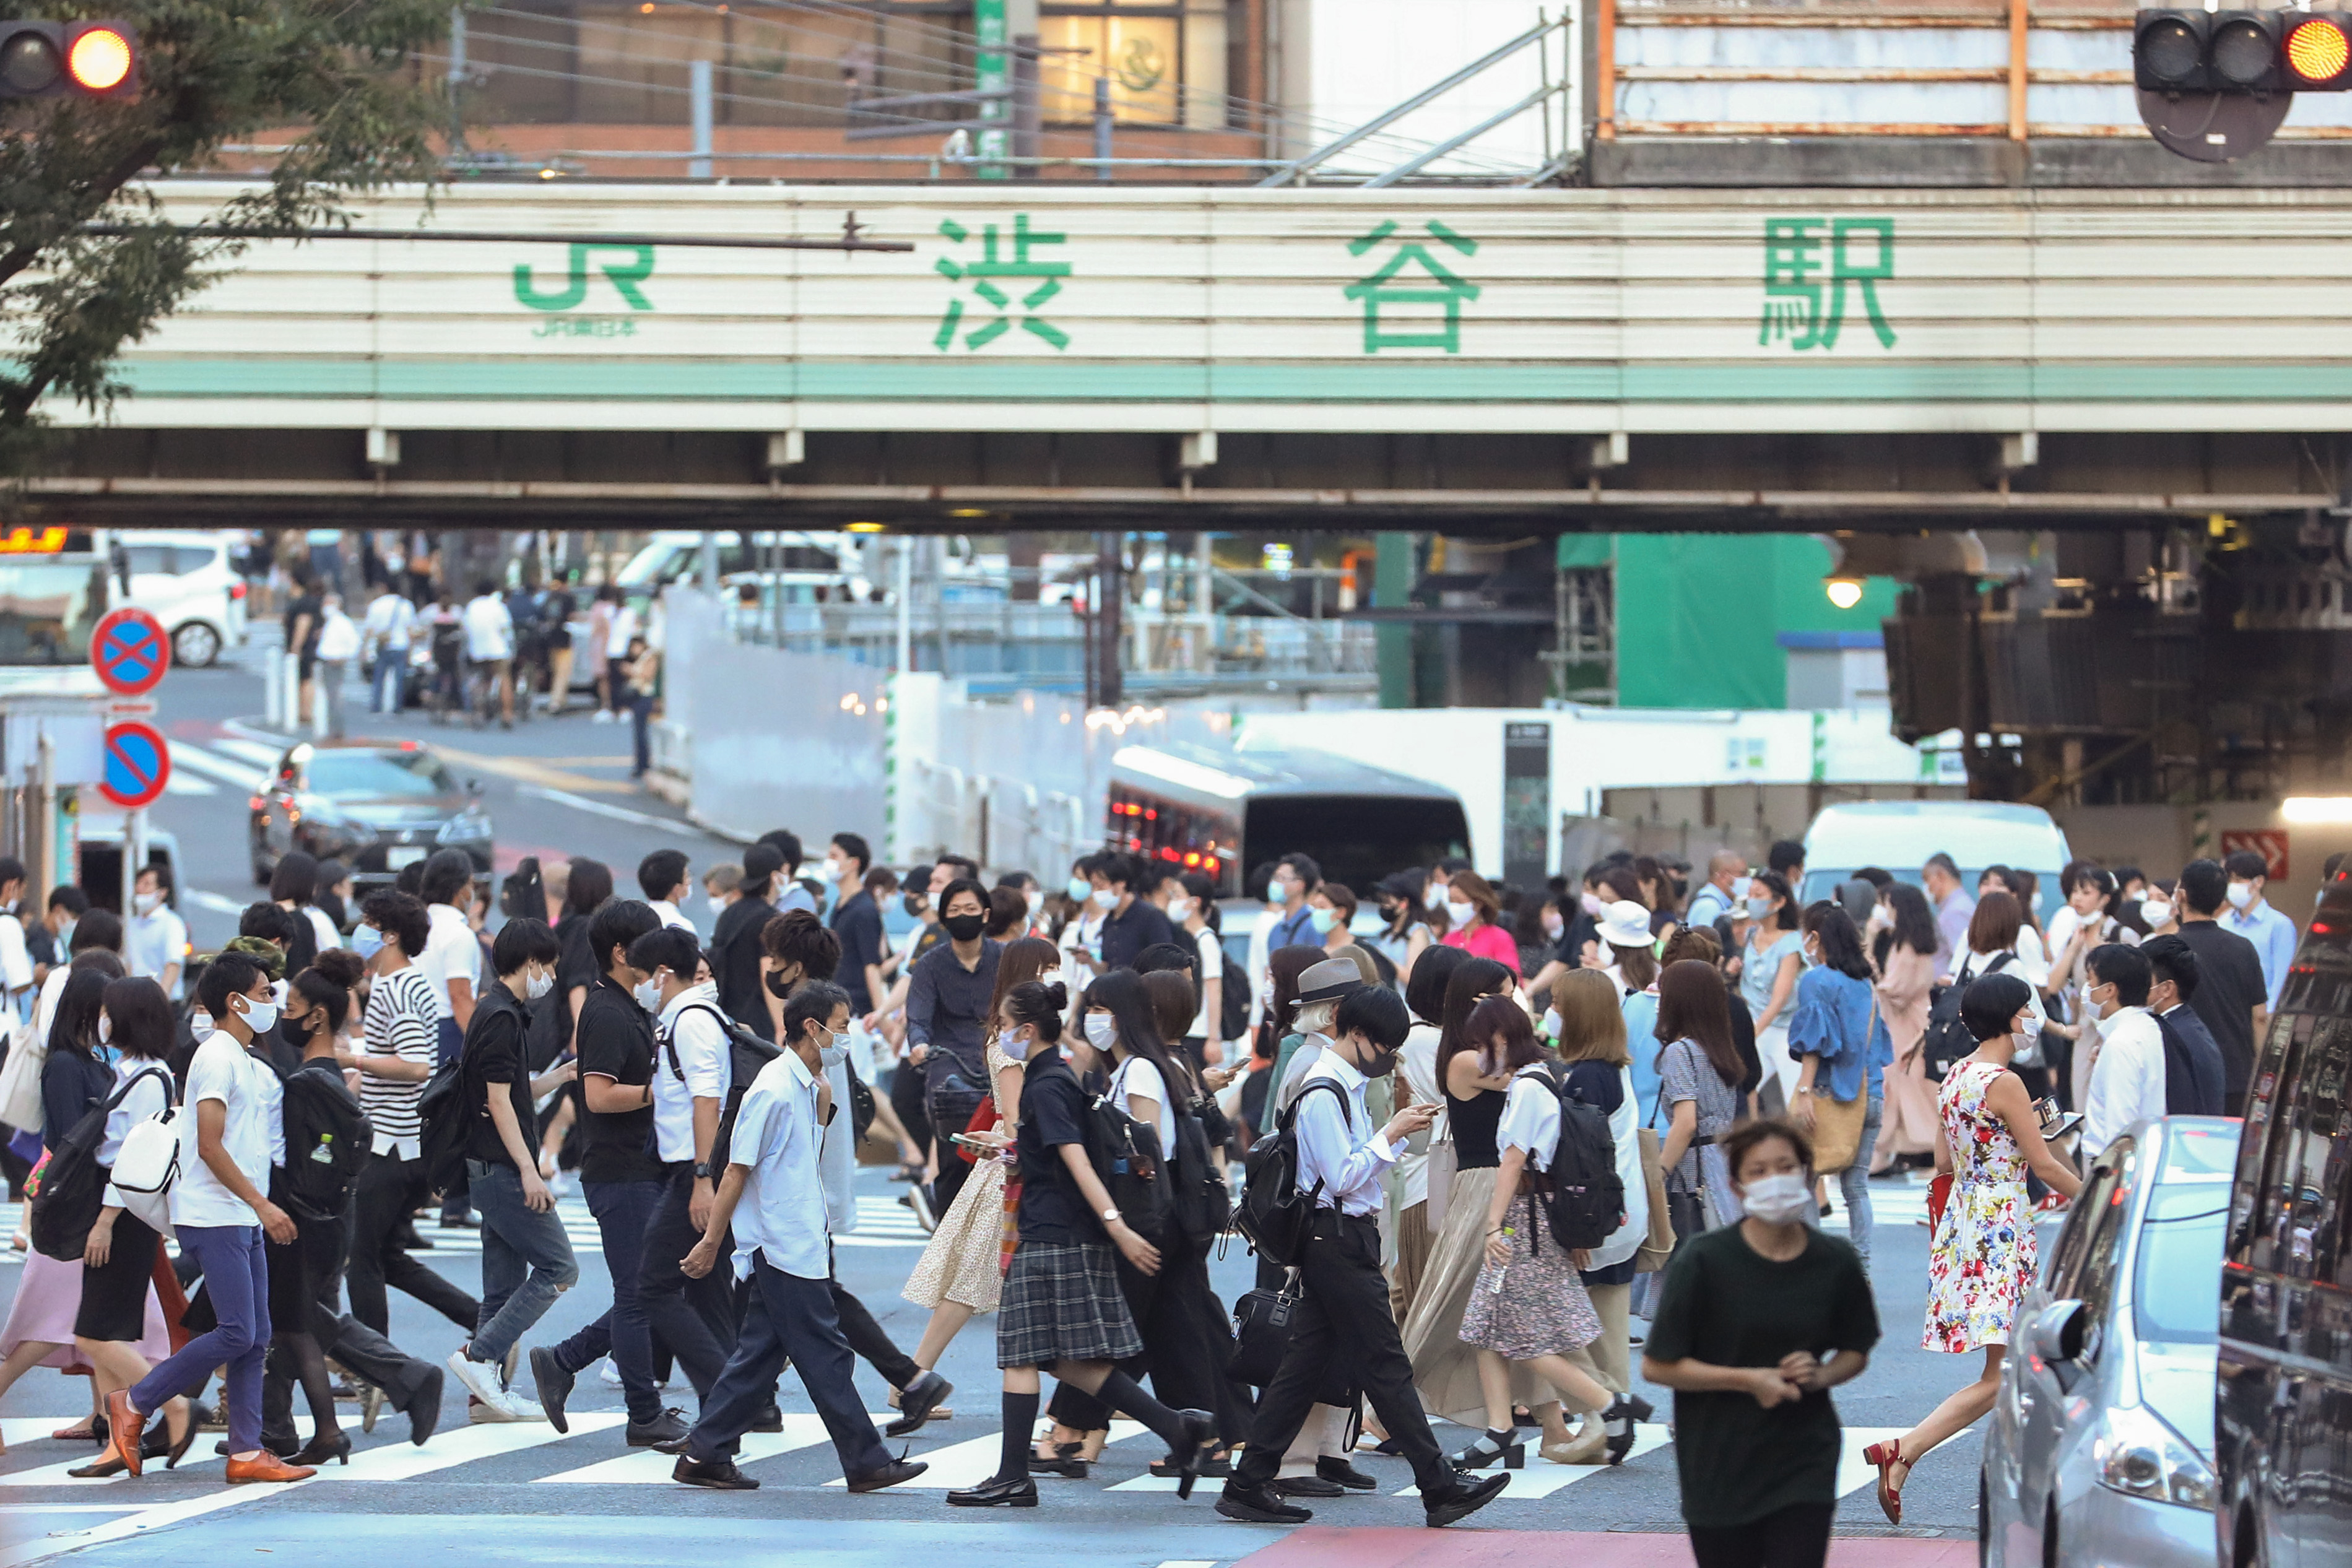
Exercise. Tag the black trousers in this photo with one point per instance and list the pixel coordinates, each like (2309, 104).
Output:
(1187, 1340)
(1345, 1308)
(906, 1102)
(866, 1337)
(695, 1318)
(388, 1191)
(1797, 1536)
(788, 1320)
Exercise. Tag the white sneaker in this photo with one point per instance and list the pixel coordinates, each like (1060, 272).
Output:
(609, 1375)
(480, 1413)
(604, 716)
(523, 1408)
(481, 1379)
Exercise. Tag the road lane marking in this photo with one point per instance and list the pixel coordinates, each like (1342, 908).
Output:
(618, 813)
(195, 758)
(406, 1462)
(181, 783)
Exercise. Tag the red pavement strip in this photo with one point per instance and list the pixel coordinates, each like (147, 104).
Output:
(1472, 1548)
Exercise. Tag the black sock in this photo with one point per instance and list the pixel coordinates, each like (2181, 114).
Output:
(1020, 1418)
(1123, 1395)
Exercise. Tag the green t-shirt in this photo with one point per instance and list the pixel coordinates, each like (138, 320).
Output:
(1729, 1306)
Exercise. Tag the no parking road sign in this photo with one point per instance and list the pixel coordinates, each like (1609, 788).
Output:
(138, 765)
(129, 652)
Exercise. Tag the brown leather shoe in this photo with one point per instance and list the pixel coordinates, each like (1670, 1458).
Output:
(121, 1417)
(267, 1467)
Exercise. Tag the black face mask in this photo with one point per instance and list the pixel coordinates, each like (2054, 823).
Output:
(1382, 1064)
(914, 904)
(778, 987)
(964, 927)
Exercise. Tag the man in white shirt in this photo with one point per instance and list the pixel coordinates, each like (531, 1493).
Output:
(221, 1216)
(489, 644)
(693, 1068)
(2128, 1081)
(390, 625)
(773, 1194)
(452, 958)
(16, 959)
(155, 943)
(662, 875)
(1346, 1301)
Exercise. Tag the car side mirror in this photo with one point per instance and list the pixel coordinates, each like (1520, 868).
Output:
(2056, 1340)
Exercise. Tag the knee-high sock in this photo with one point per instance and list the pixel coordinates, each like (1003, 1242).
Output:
(1020, 1420)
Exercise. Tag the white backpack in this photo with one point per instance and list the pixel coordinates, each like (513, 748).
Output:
(147, 1167)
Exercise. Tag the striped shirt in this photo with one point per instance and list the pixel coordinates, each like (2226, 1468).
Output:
(403, 1020)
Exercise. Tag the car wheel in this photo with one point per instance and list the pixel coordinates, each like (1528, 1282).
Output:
(195, 645)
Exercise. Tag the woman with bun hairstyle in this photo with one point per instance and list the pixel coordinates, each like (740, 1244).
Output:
(1061, 1308)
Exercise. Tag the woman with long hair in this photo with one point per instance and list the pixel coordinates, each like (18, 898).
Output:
(1982, 1257)
(961, 1270)
(1412, 1191)
(1404, 935)
(1698, 1075)
(1769, 962)
(1903, 954)
(1474, 1082)
(2093, 914)
(1841, 1045)
(1194, 913)
(1473, 918)
(294, 886)
(1529, 1307)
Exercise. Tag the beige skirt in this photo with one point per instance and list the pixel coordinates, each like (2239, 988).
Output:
(1446, 1370)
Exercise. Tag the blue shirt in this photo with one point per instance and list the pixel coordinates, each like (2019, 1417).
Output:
(1642, 1043)
(1292, 930)
(2273, 937)
(1832, 1011)
(780, 1216)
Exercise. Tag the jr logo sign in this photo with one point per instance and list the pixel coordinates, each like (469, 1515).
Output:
(624, 275)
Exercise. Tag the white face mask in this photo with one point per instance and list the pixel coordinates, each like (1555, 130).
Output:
(1037, 901)
(1015, 1047)
(1778, 1199)
(2241, 895)
(1461, 914)
(105, 1030)
(1551, 1024)
(200, 1025)
(1102, 1031)
(1103, 897)
(2155, 913)
(1553, 926)
(146, 903)
(1435, 896)
(649, 993)
(1180, 910)
(537, 985)
(260, 1017)
(1593, 904)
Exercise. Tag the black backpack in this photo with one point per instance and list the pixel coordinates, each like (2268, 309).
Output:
(1274, 1214)
(1581, 1192)
(747, 1053)
(328, 1139)
(1128, 1159)
(1947, 1040)
(72, 1183)
(443, 1111)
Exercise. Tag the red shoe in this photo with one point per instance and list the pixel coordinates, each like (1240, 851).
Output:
(121, 1418)
(1886, 1456)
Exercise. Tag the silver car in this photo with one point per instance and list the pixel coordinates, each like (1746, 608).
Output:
(2101, 1447)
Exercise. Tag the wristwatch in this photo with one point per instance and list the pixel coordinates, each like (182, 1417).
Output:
(1111, 1216)
(702, 1170)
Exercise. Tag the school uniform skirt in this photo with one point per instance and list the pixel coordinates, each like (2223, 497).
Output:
(1064, 1304)
(114, 1294)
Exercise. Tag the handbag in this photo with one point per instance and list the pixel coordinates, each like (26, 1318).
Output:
(1657, 1248)
(1837, 1123)
(1262, 1331)
(1939, 1193)
(982, 1120)
(20, 1079)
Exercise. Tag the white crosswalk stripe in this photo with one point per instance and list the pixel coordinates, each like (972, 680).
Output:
(240, 772)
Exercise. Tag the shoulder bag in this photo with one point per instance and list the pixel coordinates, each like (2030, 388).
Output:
(1837, 1123)
(1657, 1248)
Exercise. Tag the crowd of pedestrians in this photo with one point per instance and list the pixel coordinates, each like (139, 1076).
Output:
(1481, 1170)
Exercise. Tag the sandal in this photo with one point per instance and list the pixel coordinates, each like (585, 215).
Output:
(1886, 1456)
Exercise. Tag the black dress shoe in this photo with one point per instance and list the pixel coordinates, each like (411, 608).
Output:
(1256, 1505)
(335, 1446)
(772, 1419)
(1213, 1468)
(891, 1474)
(1000, 1492)
(719, 1475)
(916, 1401)
(669, 1426)
(554, 1385)
(1305, 1485)
(1331, 1468)
(1466, 1497)
(424, 1409)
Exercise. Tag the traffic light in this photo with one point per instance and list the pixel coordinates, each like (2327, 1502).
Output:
(2318, 53)
(69, 59)
(2181, 50)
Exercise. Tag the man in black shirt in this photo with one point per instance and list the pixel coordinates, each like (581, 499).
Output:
(735, 942)
(858, 921)
(2193, 1074)
(2231, 996)
(533, 1265)
(947, 1024)
(621, 1179)
(1134, 922)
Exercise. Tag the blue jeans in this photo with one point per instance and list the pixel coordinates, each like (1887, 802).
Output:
(1854, 1184)
(787, 1317)
(237, 1278)
(621, 1209)
(388, 682)
(525, 1259)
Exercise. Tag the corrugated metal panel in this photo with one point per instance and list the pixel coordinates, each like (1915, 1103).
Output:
(1549, 310)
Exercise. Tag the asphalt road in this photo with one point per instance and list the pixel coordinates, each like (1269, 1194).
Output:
(484, 1494)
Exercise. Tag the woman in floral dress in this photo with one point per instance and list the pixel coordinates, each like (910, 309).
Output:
(1982, 1256)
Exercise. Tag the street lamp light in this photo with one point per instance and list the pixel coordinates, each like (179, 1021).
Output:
(1845, 592)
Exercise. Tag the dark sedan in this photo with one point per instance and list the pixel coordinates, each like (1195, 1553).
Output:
(373, 806)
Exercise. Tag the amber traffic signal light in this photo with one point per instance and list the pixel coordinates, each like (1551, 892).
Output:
(69, 59)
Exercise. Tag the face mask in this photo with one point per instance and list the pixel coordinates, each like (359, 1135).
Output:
(835, 871)
(1078, 888)
(200, 1025)
(1276, 893)
(1322, 920)
(1553, 926)
(2242, 894)
(1812, 957)
(1379, 1064)
(65, 937)
(2156, 914)
(146, 903)
(778, 987)
(964, 927)
(1461, 914)
(1740, 886)
(1037, 901)
(1103, 897)
(1551, 1023)
(537, 986)
(367, 941)
(914, 904)
(1180, 910)
(1591, 904)
(1102, 1031)
(648, 995)
(1433, 896)
(105, 1029)
(260, 1017)
(1777, 1199)
(1015, 1047)
(1758, 908)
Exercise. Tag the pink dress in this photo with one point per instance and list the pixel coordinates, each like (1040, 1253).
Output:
(48, 1294)
(1982, 1256)
(1487, 942)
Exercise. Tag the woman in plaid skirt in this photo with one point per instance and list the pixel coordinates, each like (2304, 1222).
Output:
(1062, 1310)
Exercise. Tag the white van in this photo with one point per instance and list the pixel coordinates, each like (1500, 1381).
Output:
(188, 581)
(1897, 836)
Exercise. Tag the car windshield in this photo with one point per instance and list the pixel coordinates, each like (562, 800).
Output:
(366, 773)
(2179, 1262)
